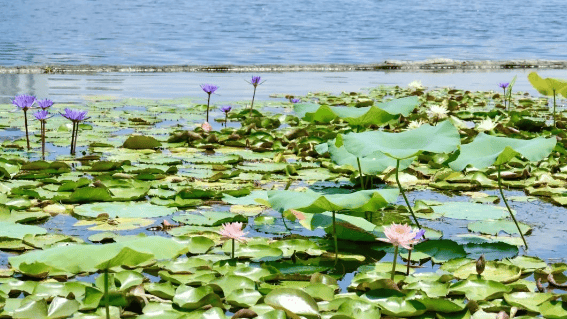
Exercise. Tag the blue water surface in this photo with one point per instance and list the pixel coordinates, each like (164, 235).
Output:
(213, 32)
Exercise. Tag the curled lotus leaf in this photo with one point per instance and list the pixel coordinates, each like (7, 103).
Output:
(488, 150)
(442, 138)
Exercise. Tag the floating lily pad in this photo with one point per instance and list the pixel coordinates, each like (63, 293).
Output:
(495, 271)
(493, 227)
(470, 211)
(124, 210)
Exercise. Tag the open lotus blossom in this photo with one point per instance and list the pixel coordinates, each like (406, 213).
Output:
(486, 125)
(415, 124)
(226, 109)
(399, 235)
(206, 127)
(41, 115)
(233, 231)
(503, 85)
(209, 89)
(437, 112)
(44, 104)
(24, 102)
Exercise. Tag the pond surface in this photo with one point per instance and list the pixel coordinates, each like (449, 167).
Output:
(271, 32)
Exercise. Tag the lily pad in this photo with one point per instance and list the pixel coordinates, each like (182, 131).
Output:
(124, 210)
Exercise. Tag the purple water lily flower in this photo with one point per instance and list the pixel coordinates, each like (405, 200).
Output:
(420, 235)
(41, 115)
(209, 88)
(503, 85)
(24, 101)
(44, 104)
(256, 80)
(226, 109)
(75, 115)
(295, 101)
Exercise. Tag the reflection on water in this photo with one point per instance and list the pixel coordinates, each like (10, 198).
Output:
(233, 87)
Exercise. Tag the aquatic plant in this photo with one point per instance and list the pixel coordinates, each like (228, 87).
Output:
(504, 85)
(488, 150)
(41, 116)
(233, 231)
(295, 101)
(437, 112)
(548, 87)
(206, 127)
(486, 125)
(419, 237)
(25, 102)
(398, 235)
(209, 89)
(255, 81)
(44, 104)
(443, 138)
(316, 203)
(76, 117)
(226, 109)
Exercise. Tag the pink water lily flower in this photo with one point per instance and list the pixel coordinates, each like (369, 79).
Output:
(233, 231)
(399, 235)
(206, 127)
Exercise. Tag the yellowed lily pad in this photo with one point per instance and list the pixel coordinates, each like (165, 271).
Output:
(115, 224)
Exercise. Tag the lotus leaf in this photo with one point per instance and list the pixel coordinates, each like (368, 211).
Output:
(18, 231)
(58, 308)
(443, 138)
(488, 150)
(469, 211)
(493, 227)
(479, 289)
(527, 300)
(194, 298)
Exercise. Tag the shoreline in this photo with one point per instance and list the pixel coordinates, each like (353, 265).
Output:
(434, 65)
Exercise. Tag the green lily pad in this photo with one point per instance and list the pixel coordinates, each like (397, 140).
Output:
(470, 211)
(495, 271)
(493, 227)
(18, 231)
(124, 210)
(527, 300)
(293, 301)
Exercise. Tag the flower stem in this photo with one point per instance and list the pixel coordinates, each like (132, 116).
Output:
(226, 119)
(233, 248)
(554, 109)
(335, 239)
(404, 194)
(360, 171)
(26, 125)
(252, 104)
(106, 296)
(73, 138)
(208, 103)
(507, 206)
(42, 140)
(409, 259)
(394, 262)
(504, 99)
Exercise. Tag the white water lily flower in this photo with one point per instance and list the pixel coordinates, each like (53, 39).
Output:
(437, 112)
(486, 125)
(415, 85)
(415, 124)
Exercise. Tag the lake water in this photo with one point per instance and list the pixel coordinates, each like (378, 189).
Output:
(232, 86)
(212, 32)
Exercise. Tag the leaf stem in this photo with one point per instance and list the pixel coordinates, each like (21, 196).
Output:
(508, 207)
(554, 109)
(106, 297)
(404, 194)
(360, 172)
(394, 262)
